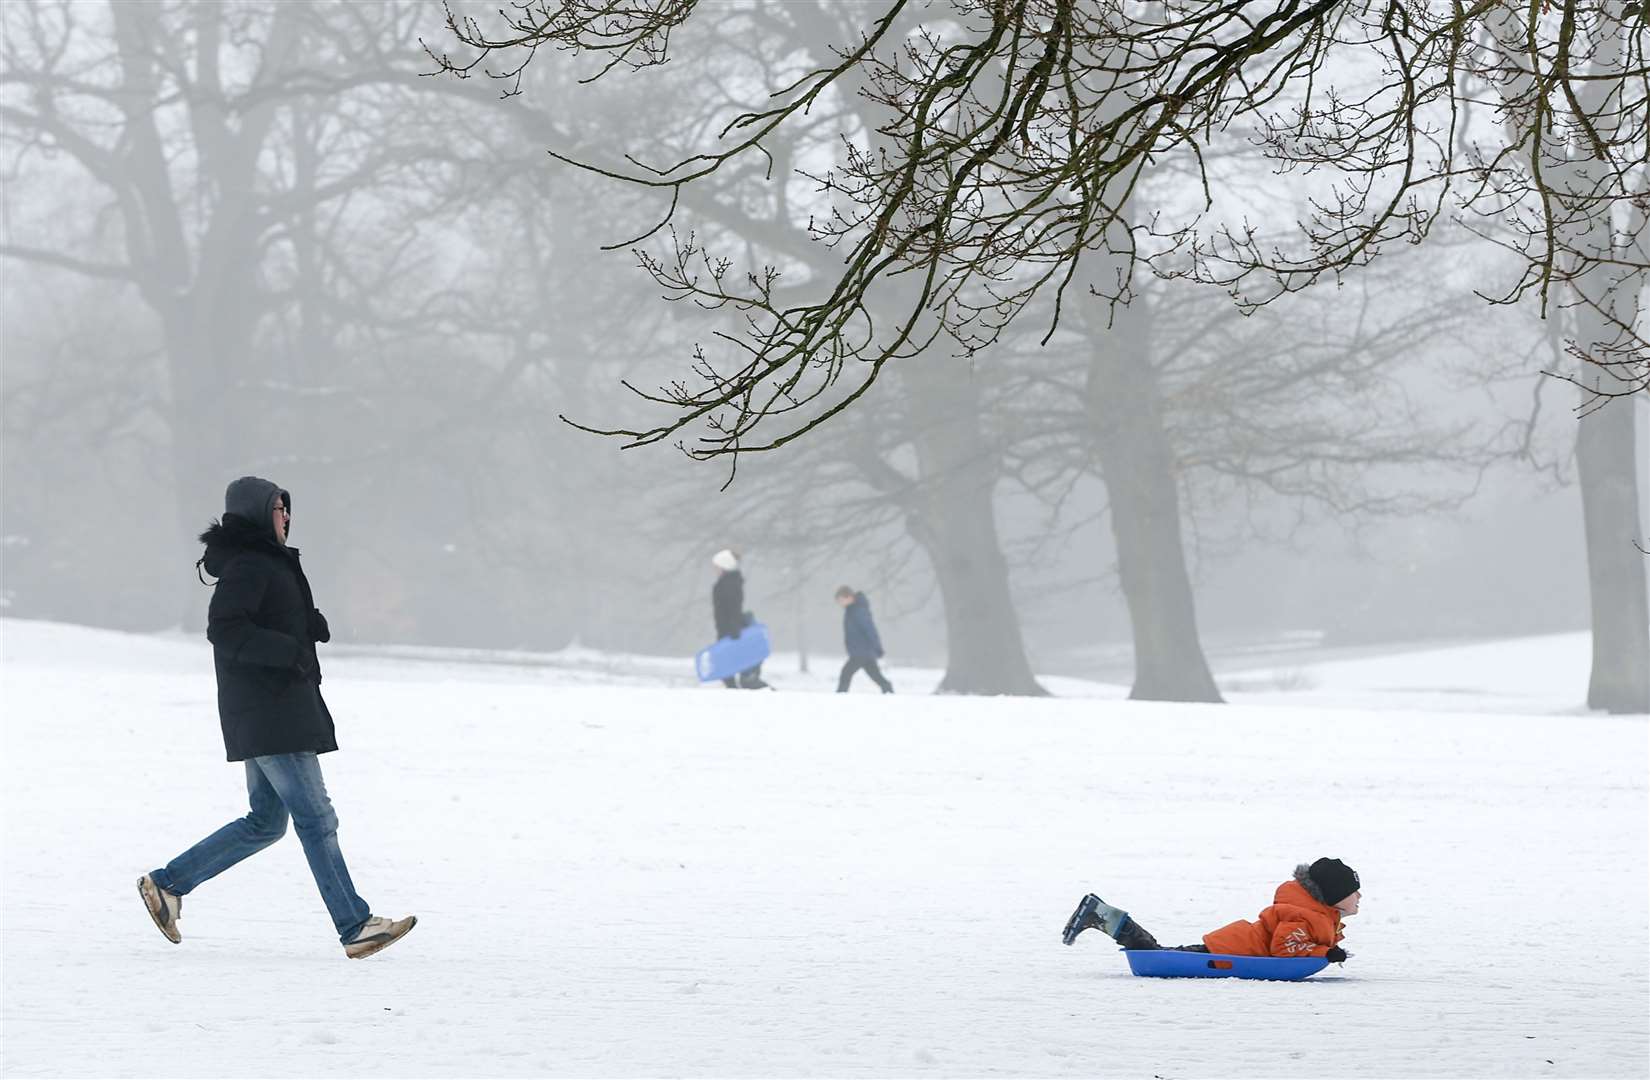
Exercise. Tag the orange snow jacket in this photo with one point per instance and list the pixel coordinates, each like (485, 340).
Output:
(1295, 925)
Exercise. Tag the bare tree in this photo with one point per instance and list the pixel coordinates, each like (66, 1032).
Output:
(943, 490)
(1014, 136)
(268, 214)
(1185, 407)
(1019, 129)
(1584, 202)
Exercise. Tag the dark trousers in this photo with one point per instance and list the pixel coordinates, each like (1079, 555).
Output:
(749, 679)
(868, 664)
(1134, 936)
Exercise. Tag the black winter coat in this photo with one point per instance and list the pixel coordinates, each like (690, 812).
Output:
(727, 603)
(263, 626)
(859, 633)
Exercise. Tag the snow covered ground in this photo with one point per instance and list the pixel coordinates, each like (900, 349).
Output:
(1527, 675)
(617, 874)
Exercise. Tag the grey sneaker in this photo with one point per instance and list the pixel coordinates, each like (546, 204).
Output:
(379, 933)
(164, 907)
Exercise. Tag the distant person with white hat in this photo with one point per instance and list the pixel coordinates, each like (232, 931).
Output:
(727, 603)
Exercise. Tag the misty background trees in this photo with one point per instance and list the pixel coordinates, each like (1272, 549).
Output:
(264, 237)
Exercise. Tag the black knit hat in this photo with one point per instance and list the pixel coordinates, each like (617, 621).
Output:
(1334, 879)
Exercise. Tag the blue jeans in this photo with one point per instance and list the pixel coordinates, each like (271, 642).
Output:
(278, 785)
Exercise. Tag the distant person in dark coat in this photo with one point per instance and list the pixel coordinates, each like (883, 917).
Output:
(859, 635)
(263, 625)
(727, 605)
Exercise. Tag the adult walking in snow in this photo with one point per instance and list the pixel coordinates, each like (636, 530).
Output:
(727, 605)
(263, 625)
(859, 635)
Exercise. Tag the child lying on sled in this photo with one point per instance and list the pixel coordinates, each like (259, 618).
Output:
(1304, 919)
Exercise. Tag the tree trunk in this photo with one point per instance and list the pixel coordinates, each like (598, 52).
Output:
(1606, 444)
(1607, 467)
(1139, 469)
(205, 297)
(954, 519)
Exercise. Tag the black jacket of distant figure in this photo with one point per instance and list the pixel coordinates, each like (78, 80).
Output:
(727, 603)
(859, 632)
(263, 626)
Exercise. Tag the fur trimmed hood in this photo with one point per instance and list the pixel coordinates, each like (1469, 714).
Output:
(231, 536)
(247, 525)
(1303, 875)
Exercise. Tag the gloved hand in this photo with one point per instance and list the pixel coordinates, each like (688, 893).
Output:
(1336, 955)
(318, 630)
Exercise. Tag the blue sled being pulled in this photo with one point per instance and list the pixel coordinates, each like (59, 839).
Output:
(1173, 964)
(730, 656)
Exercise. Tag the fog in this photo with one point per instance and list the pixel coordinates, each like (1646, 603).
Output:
(273, 240)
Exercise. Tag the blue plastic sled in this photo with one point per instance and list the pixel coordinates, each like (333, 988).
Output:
(730, 656)
(1173, 964)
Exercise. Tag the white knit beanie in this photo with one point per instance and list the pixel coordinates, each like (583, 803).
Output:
(725, 560)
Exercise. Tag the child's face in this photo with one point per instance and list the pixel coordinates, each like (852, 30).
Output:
(1349, 906)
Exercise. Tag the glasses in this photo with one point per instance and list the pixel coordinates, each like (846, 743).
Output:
(279, 509)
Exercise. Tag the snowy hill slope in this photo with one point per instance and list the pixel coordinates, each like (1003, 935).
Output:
(1545, 674)
(620, 880)
(1538, 675)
